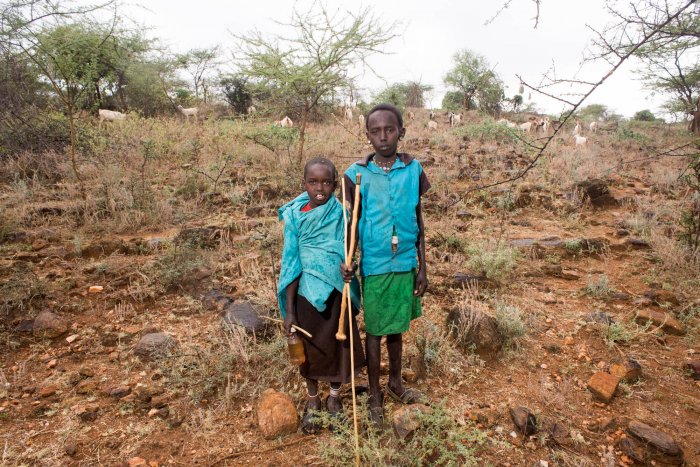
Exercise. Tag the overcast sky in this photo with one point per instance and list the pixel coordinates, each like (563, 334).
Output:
(430, 32)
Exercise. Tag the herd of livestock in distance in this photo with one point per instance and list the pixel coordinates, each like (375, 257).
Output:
(534, 125)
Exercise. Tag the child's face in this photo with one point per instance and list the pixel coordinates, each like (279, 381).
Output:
(383, 132)
(319, 184)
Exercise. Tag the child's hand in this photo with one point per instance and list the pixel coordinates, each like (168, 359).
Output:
(421, 283)
(289, 319)
(348, 273)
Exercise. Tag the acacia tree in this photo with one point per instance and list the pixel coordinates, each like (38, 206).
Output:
(472, 76)
(314, 61)
(199, 63)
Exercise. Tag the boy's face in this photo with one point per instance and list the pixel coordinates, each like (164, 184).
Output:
(319, 184)
(383, 132)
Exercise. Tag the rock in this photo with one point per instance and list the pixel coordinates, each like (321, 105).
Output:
(473, 329)
(88, 412)
(48, 391)
(120, 392)
(95, 289)
(524, 420)
(469, 280)
(86, 372)
(102, 247)
(466, 215)
(154, 345)
(636, 244)
(24, 326)
(217, 300)
(693, 369)
(71, 449)
(628, 371)
(245, 315)
(202, 237)
(137, 462)
(599, 317)
(603, 386)
(254, 211)
(663, 447)
(569, 340)
(632, 449)
(47, 324)
(661, 297)
(86, 387)
(598, 192)
(161, 401)
(559, 433)
(407, 419)
(39, 244)
(72, 338)
(276, 414)
(668, 323)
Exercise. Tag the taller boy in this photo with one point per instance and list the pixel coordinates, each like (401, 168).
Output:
(392, 249)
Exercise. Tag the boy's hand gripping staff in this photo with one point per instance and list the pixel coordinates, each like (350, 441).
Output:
(340, 335)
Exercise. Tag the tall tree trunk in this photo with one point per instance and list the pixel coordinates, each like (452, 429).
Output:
(302, 134)
(73, 144)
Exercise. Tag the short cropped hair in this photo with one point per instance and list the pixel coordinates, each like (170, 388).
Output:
(321, 161)
(388, 107)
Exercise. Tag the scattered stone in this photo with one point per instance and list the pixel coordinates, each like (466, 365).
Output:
(636, 243)
(668, 323)
(619, 296)
(120, 392)
(137, 462)
(217, 300)
(662, 297)
(161, 401)
(276, 414)
(254, 211)
(474, 329)
(86, 372)
(245, 315)
(469, 280)
(598, 192)
(49, 325)
(71, 449)
(24, 326)
(559, 433)
(86, 387)
(466, 215)
(603, 386)
(600, 317)
(663, 447)
(693, 369)
(95, 289)
(628, 371)
(524, 420)
(154, 345)
(569, 340)
(407, 419)
(72, 338)
(52, 363)
(88, 412)
(39, 244)
(632, 449)
(48, 391)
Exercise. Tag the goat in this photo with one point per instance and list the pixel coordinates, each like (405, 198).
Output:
(432, 125)
(285, 122)
(411, 115)
(190, 112)
(593, 127)
(432, 115)
(546, 124)
(110, 115)
(527, 126)
(361, 120)
(580, 140)
(251, 110)
(455, 119)
(348, 114)
(578, 129)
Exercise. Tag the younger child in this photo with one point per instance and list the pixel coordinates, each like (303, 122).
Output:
(392, 249)
(311, 286)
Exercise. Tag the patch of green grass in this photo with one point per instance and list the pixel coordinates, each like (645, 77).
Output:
(487, 130)
(574, 245)
(438, 440)
(495, 260)
(177, 265)
(510, 324)
(598, 287)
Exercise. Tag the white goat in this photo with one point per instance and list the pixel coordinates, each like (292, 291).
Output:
(455, 119)
(547, 124)
(432, 114)
(411, 115)
(251, 110)
(190, 112)
(577, 129)
(432, 125)
(285, 122)
(361, 120)
(526, 127)
(580, 140)
(593, 127)
(348, 114)
(110, 115)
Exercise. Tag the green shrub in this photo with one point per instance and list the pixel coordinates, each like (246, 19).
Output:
(598, 287)
(510, 325)
(495, 260)
(178, 263)
(487, 130)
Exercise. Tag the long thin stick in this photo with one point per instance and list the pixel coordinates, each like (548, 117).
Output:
(301, 330)
(352, 378)
(340, 335)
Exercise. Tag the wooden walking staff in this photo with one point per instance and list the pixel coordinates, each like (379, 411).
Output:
(347, 305)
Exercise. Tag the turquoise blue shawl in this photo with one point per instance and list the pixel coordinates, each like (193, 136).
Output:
(313, 248)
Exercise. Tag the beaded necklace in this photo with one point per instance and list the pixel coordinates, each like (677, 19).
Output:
(385, 166)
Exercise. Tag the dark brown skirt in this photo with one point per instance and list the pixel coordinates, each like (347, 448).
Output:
(328, 359)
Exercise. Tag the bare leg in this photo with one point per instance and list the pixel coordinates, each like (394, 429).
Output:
(372, 345)
(333, 403)
(314, 401)
(394, 346)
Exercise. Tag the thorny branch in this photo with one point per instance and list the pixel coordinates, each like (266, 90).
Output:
(647, 36)
(507, 4)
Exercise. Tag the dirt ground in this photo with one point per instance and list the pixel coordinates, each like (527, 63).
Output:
(566, 279)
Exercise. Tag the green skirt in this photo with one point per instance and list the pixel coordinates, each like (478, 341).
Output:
(388, 302)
